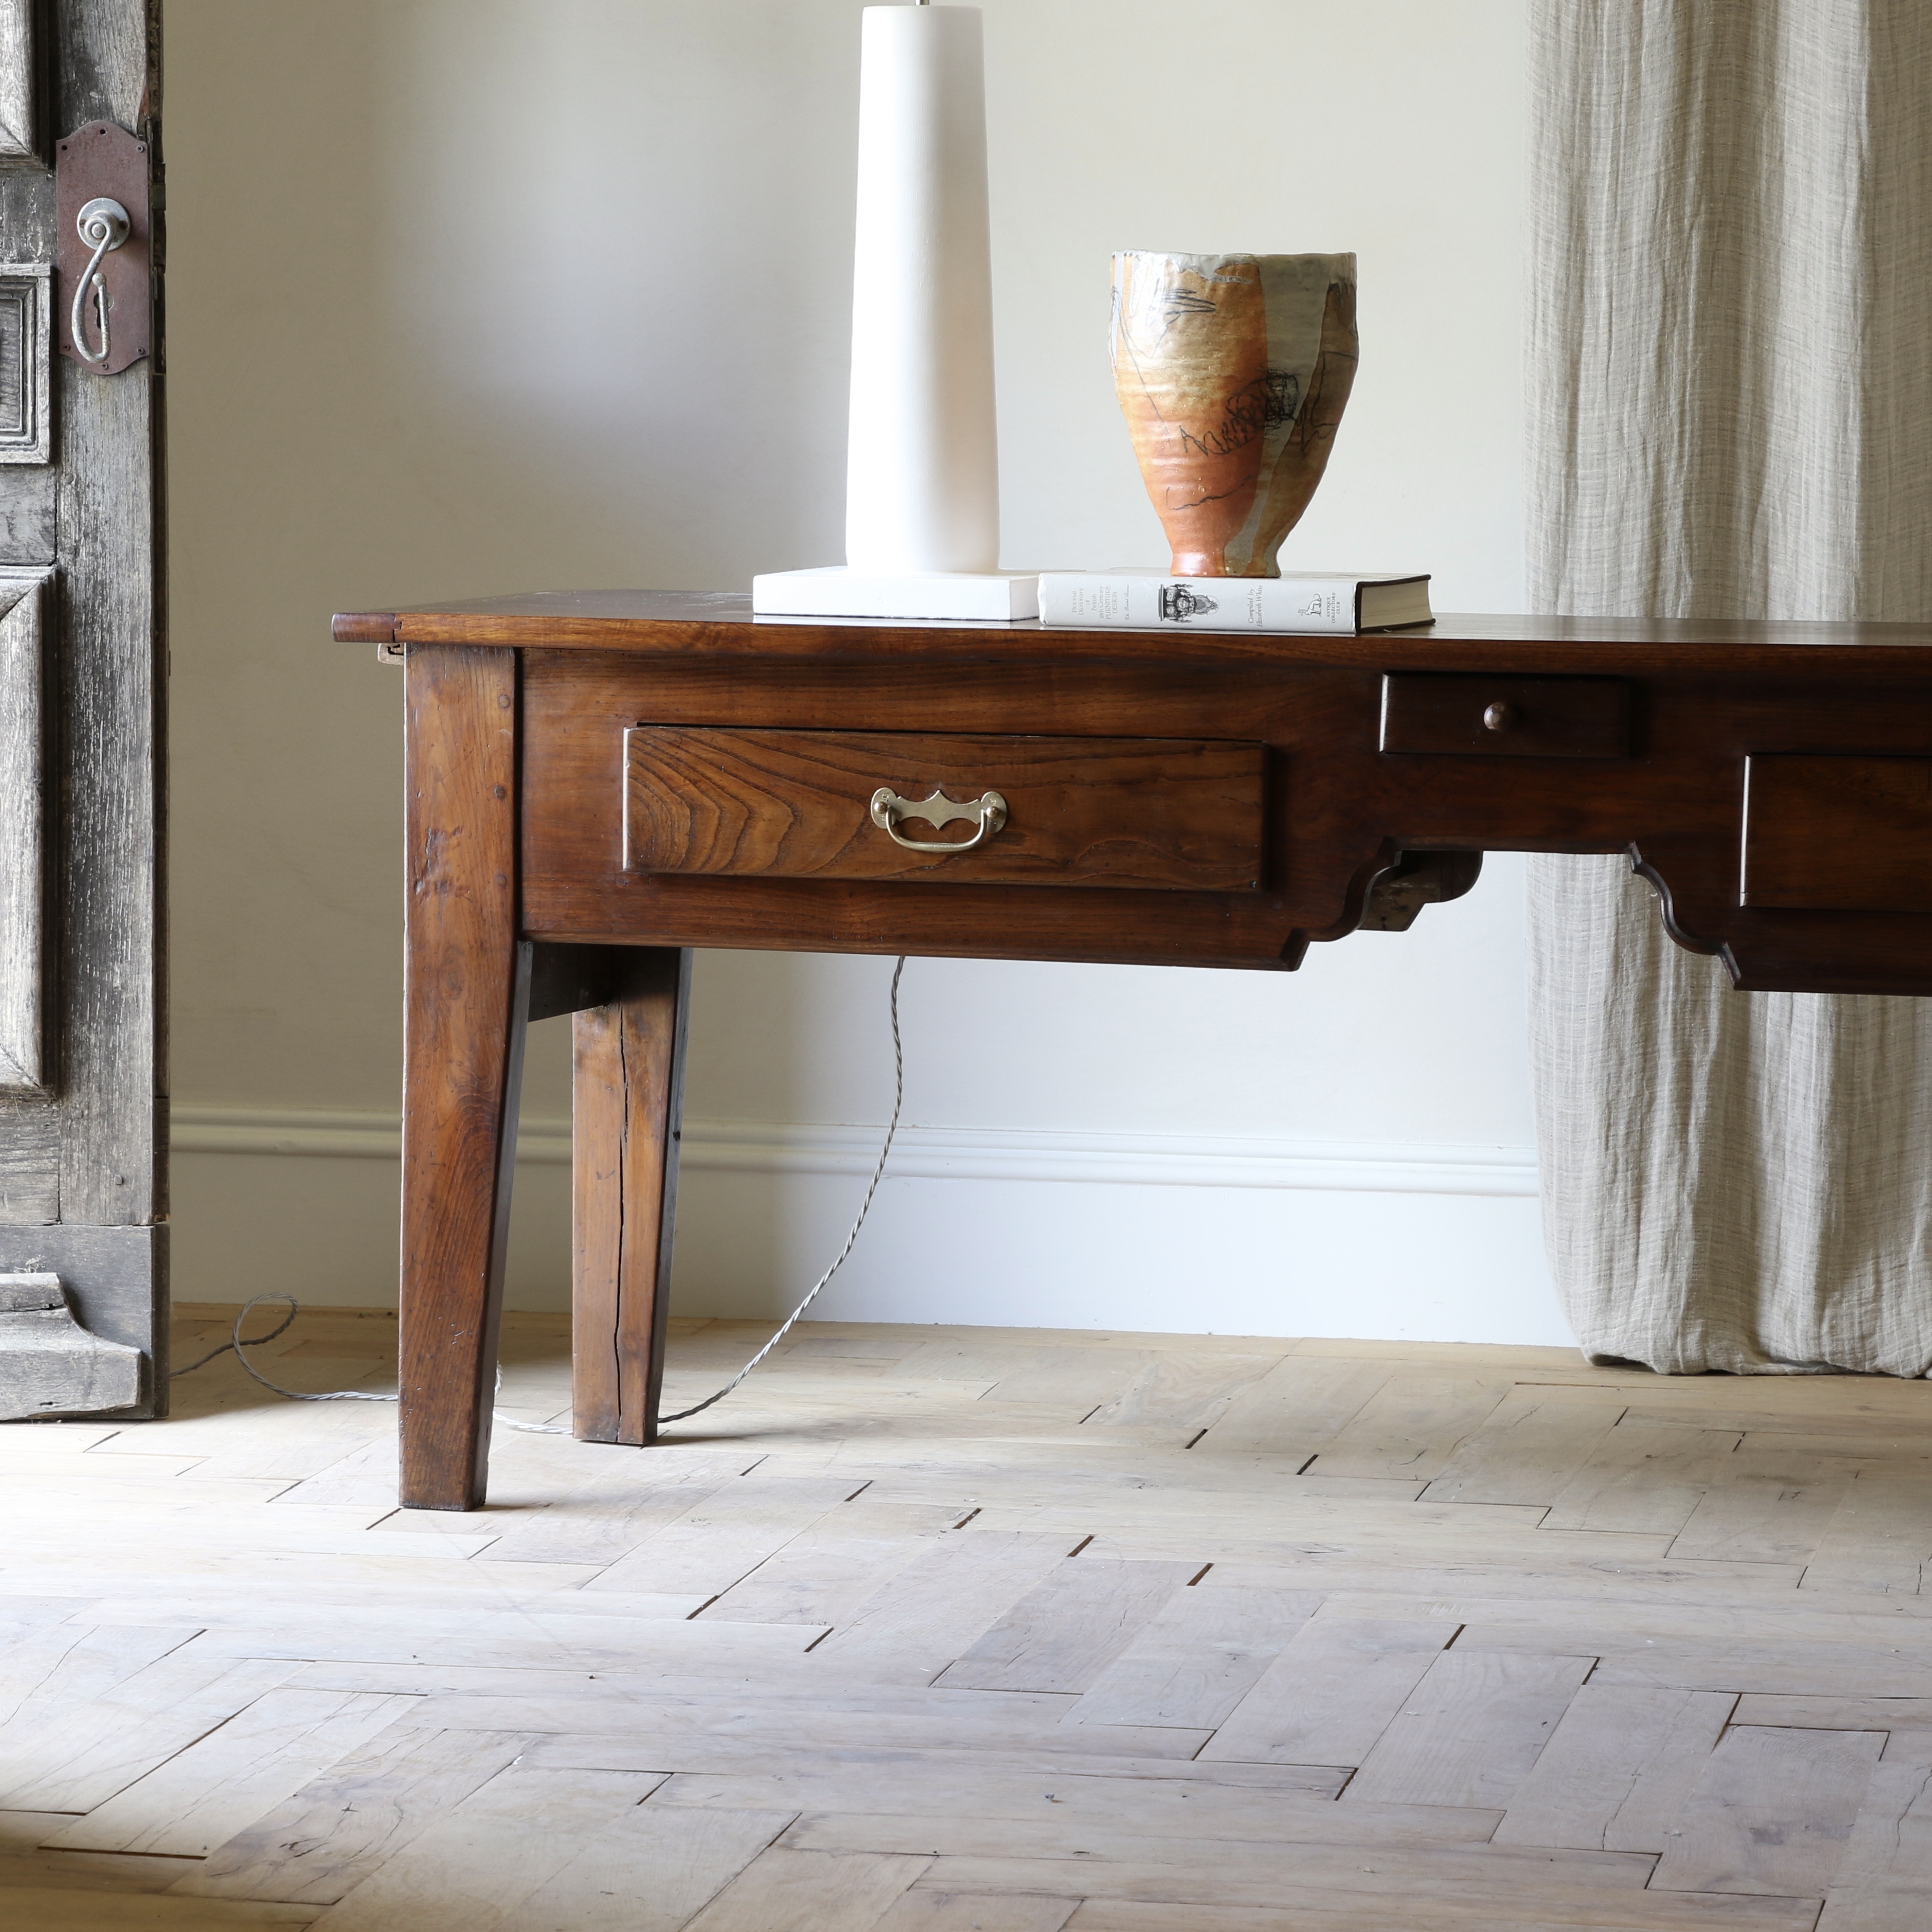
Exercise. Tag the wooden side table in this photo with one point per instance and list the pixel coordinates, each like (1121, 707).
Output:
(597, 782)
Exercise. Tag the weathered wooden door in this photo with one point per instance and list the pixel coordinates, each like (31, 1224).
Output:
(83, 1199)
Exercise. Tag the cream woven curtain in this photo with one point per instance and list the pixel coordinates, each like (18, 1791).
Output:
(1730, 410)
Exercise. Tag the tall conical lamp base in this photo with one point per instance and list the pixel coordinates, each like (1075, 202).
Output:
(922, 482)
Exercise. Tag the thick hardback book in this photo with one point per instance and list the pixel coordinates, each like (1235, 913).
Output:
(1150, 600)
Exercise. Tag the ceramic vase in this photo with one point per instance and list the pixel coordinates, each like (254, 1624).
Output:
(1232, 371)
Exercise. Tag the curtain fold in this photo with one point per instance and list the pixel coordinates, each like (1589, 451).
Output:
(1730, 415)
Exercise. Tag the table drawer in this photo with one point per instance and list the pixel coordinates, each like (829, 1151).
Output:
(1452, 712)
(1169, 814)
(1837, 832)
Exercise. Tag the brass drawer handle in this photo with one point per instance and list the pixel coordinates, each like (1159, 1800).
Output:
(988, 810)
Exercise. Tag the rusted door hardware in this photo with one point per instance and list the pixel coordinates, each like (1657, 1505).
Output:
(101, 258)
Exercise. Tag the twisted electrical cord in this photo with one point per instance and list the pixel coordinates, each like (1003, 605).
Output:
(241, 1347)
(851, 1239)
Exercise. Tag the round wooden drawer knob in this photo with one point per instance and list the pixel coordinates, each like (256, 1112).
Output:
(1499, 717)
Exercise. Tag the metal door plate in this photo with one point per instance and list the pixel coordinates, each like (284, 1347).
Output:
(104, 160)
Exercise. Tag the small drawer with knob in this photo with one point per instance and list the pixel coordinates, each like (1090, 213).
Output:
(1175, 814)
(1453, 712)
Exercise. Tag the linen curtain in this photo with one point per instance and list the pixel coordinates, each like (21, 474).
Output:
(1730, 415)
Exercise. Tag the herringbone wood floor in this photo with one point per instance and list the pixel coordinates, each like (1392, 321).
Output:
(939, 1629)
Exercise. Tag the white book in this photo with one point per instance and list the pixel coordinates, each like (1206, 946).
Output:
(1297, 601)
(1001, 595)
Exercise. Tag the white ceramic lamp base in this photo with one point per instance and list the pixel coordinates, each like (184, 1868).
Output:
(996, 596)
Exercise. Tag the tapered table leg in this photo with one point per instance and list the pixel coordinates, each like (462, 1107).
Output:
(627, 1099)
(465, 1003)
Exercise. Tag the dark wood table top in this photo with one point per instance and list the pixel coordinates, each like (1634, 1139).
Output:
(714, 624)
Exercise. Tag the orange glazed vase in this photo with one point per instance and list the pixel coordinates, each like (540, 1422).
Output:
(1232, 371)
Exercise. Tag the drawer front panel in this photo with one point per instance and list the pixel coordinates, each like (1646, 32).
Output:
(1454, 713)
(1837, 833)
(1166, 814)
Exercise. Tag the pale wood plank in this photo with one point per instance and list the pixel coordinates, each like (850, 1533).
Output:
(1831, 1654)
(826, 1572)
(1849, 1405)
(845, 1342)
(763, 1768)
(937, 1607)
(1331, 1692)
(1331, 1911)
(1836, 1714)
(1755, 1586)
(1767, 1506)
(727, 1535)
(1470, 1731)
(552, 1632)
(1204, 1902)
(533, 1639)
(1616, 1773)
(1842, 1670)
(1290, 1520)
(1411, 1426)
(786, 1890)
(1643, 1479)
(205, 1795)
(1061, 1636)
(1616, 1625)
(1200, 1655)
(1247, 1872)
(1293, 1410)
(74, 1759)
(1183, 1390)
(64, 1911)
(57, 1666)
(963, 1912)
(1526, 1364)
(977, 1356)
(708, 1733)
(1903, 1446)
(1528, 1448)
(1771, 1812)
(1374, 1542)
(1070, 1383)
(1009, 1470)
(534, 1849)
(1879, 1538)
(43, 1532)
(245, 1442)
(475, 1868)
(1884, 1878)
(607, 1517)
(53, 1439)
(134, 1485)
(322, 1843)
(1159, 1802)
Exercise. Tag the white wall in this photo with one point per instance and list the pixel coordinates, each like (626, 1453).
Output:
(473, 295)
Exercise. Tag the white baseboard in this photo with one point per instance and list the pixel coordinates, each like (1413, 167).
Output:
(930, 1154)
(1193, 1233)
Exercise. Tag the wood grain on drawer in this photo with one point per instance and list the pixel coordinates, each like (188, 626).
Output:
(1171, 813)
(1837, 833)
(1455, 713)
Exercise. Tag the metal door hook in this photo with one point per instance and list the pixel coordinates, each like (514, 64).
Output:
(103, 225)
